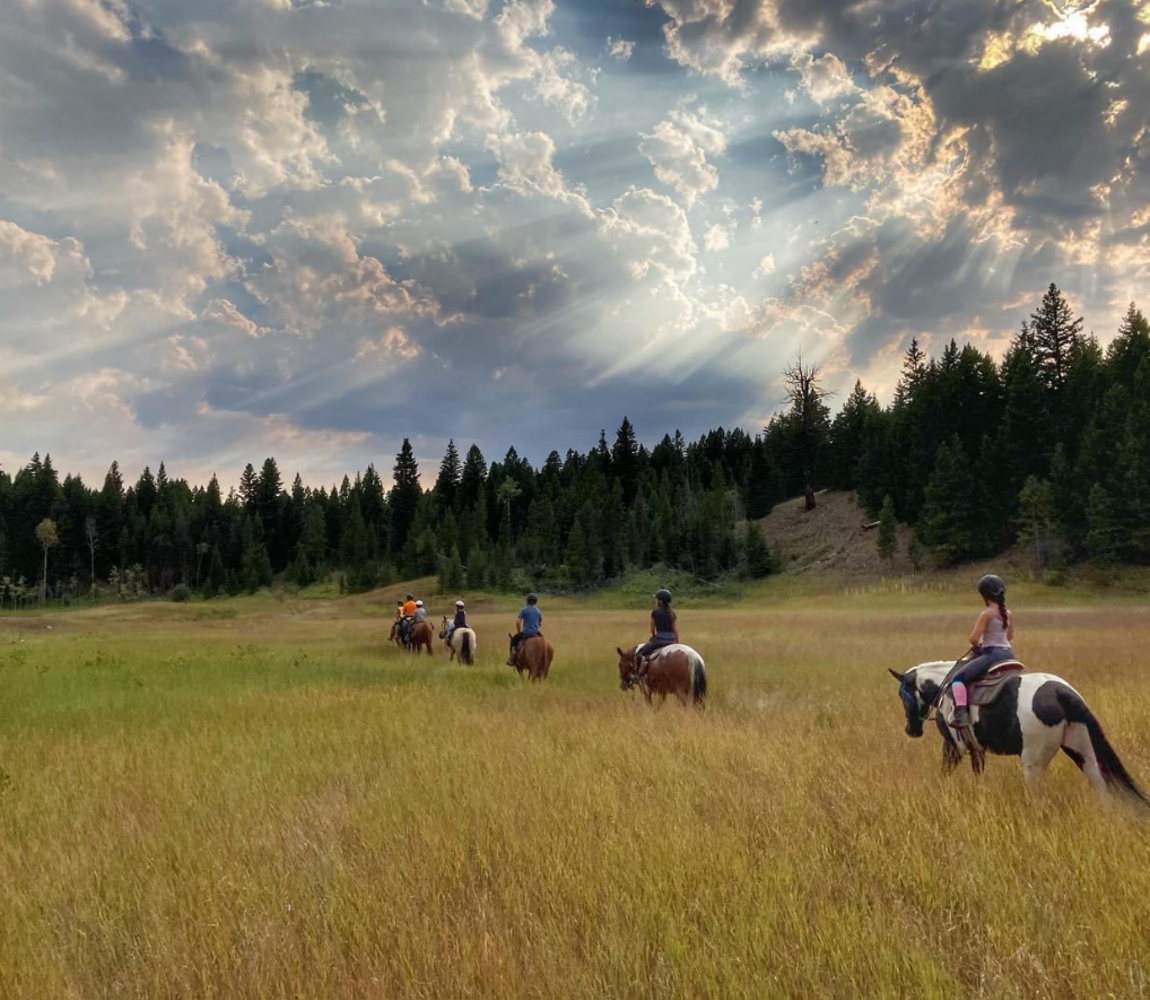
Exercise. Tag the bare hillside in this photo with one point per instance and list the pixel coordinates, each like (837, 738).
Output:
(830, 538)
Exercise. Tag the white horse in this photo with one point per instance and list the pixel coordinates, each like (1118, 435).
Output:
(1033, 717)
(461, 644)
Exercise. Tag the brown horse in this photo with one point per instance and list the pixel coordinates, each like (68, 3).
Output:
(534, 655)
(395, 635)
(422, 634)
(676, 669)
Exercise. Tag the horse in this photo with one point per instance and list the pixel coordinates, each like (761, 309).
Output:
(534, 655)
(1033, 717)
(395, 636)
(676, 669)
(422, 634)
(462, 642)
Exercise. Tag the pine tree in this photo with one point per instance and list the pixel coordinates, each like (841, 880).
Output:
(472, 479)
(1036, 513)
(145, 492)
(449, 480)
(1102, 534)
(405, 495)
(451, 573)
(756, 553)
(952, 522)
(1054, 333)
(625, 460)
(249, 488)
(887, 530)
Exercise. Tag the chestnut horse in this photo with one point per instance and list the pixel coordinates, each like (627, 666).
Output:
(422, 634)
(676, 669)
(534, 655)
(395, 635)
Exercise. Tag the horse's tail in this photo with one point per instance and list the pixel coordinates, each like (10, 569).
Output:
(698, 679)
(1113, 771)
(465, 652)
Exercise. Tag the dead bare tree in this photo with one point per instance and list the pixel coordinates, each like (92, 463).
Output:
(803, 386)
(92, 534)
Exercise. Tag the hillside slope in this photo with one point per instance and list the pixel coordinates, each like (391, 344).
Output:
(830, 538)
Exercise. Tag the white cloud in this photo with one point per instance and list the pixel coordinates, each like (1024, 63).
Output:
(678, 148)
(526, 167)
(717, 237)
(825, 78)
(765, 266)
(620, 49)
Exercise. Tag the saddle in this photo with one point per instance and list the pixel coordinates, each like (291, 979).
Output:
(984, 691)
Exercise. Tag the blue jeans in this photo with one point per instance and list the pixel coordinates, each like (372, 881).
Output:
(977, 668)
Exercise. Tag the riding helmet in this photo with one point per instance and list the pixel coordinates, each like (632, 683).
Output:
(419, 604)
(991, 587)
(411, 597)
(460, 604)
(532, 599)
(663, 595)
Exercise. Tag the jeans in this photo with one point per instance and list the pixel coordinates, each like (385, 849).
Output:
(658, 642)
(977, 668)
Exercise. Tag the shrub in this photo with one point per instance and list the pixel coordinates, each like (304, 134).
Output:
(181, 592)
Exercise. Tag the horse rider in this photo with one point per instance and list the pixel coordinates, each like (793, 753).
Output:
(527, 624)
(420, 612)
(989, 642)
(459, 621)
(664, 630)
(406, 616)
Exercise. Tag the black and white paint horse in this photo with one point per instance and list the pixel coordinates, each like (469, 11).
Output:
(1033, 717)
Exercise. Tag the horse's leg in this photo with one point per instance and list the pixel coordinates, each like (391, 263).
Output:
(1037, 753)
(1076, 745)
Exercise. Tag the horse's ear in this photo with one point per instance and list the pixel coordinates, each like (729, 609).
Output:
(897, 676)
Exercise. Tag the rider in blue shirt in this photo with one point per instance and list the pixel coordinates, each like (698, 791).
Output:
(527, 624)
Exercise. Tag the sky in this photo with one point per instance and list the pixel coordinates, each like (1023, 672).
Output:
(311, 228)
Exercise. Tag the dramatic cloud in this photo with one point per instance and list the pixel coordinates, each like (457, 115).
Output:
(228, 230)
(678, 149)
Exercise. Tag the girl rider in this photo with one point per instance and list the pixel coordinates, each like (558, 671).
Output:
(664, 630)
(460, 620)
(990, 643)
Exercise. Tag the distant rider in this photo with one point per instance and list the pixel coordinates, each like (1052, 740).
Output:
(420, 612)
(990, 642)
(460, 620)
(528, 623)
(664, 630)
(407, 614)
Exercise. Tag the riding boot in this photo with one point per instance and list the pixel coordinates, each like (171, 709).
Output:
(961, 718)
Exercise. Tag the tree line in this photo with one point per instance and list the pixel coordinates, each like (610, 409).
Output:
(1049, 447)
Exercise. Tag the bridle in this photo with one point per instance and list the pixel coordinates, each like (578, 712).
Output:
(923, 711)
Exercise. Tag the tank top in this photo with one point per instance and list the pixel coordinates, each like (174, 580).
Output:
(995, 634)
(664, 619)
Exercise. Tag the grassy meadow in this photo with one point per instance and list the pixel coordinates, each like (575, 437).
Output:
(261, 799)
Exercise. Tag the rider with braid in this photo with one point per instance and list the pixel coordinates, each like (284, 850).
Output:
(990, 643)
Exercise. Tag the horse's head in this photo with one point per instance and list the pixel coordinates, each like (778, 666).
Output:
(628, 677)
(917, 693)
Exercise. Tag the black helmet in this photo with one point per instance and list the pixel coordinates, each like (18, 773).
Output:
(532, 599)
(991, 587)
(411, 597)
(664, 595)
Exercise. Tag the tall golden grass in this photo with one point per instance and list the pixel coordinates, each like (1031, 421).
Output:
(261, 800)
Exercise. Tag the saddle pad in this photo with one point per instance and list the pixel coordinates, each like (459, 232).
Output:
(990, 687)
